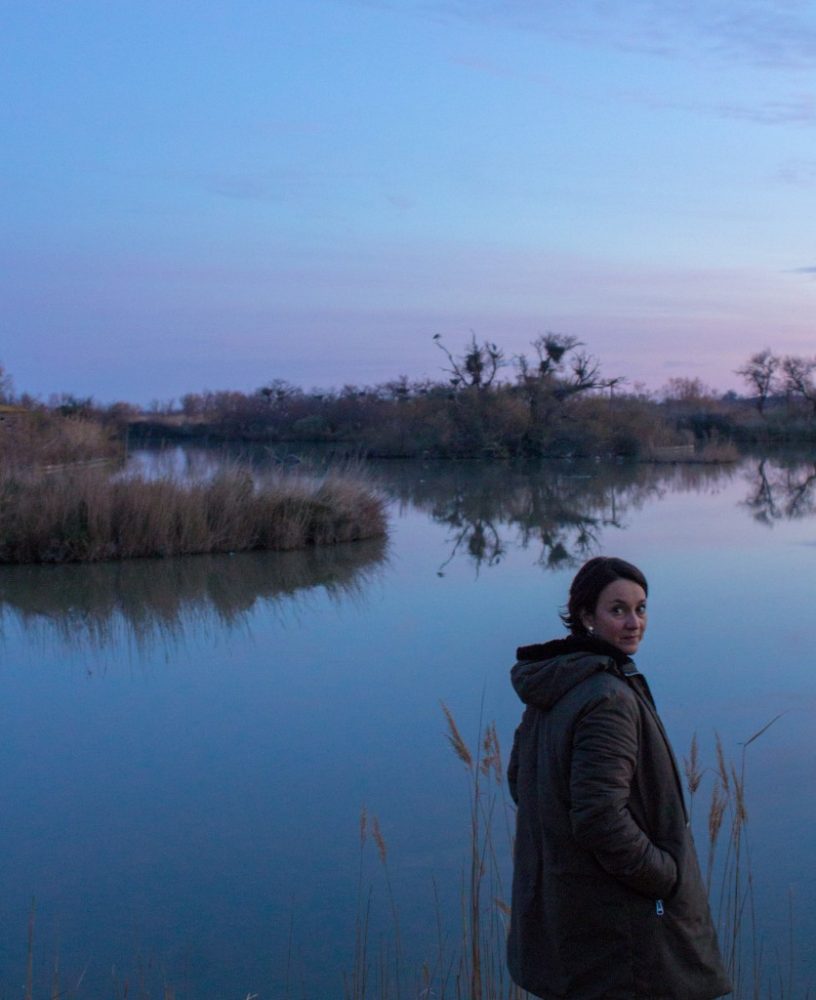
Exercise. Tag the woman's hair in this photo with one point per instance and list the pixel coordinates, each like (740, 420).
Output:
(588, 583)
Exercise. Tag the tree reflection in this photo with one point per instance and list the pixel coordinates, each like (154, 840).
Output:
(782, 491)
(563, 510)
(140, 601)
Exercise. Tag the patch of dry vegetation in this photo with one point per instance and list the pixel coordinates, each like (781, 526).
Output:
(86, 515)
(41, 437)
(470, 962)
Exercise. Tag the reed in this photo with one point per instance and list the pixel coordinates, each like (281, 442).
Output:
(87, 515)
(40, 438)
(470, 965)
(732, 895)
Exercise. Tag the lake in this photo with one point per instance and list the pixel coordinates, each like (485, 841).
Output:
(187, 745)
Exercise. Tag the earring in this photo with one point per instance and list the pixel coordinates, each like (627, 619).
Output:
(591, 629)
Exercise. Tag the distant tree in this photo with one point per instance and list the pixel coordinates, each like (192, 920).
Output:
(687, 390)
(193, 404)
(120, 412)
(559, 371)
(798, 378)
(398, 389)
(278, 391)
(760, 372)
(6, 386)
(162, 407)
(478, 366)
(561, 368)
(69, 405)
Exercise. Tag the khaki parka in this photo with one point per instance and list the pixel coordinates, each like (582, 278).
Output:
(608, 901)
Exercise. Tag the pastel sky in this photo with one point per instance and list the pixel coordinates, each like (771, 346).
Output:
(214, 194)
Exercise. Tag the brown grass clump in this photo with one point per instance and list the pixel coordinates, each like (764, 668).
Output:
(86, 515)
(41, 438)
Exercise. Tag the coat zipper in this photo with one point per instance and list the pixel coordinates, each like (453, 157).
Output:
(659, 907)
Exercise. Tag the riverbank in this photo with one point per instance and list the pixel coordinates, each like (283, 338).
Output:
(87, 515)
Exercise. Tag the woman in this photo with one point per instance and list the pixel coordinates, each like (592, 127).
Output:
(608, 901)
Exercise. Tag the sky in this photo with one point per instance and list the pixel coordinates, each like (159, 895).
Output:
(212, 195)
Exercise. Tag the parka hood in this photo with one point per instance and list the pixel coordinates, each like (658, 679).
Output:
(545, 672)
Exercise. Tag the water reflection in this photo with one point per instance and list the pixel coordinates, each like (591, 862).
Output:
(562, 510)
(216, 808)
(146, 600)
(781, 491)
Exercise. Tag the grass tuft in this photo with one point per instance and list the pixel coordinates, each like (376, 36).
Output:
(87, 515)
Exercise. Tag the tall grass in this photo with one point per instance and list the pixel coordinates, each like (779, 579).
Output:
(40, 438)
(730, 879)
(85, 515)
(471, 964)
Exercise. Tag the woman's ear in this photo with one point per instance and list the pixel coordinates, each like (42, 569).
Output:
(588, 622)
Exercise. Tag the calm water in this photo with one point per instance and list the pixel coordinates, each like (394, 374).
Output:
(187, 745)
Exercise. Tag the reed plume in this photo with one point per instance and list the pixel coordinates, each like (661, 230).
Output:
(460, 748)
(691, 765)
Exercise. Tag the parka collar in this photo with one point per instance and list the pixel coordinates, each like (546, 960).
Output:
(545, 672)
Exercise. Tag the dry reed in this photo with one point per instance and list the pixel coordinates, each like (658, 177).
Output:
(476, 969)
(735, 910)
(41, 438)
(87, 515)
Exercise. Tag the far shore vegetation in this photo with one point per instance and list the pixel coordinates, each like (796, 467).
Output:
(553, 402)
(65, 496)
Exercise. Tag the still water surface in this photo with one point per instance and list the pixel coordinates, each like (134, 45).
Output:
(187, 745)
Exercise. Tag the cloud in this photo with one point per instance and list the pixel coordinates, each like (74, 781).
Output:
(264, 185)
(801, 173)
(798, 110)
(774, 33)
(400, 201)
(803, 270)
(246, 187)
(291, 127)
(486, 67)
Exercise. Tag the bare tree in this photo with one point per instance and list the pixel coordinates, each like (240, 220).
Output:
(278, 391)
(6, 386)
(681, 389)
(585, 375)
(760, 372)
(562, 370)
(477, 368)
(798, 378)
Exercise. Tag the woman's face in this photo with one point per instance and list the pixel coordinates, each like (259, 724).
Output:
(619, 616)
